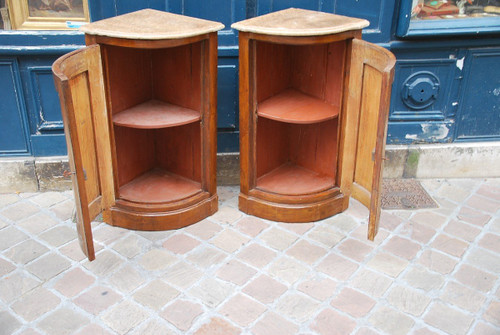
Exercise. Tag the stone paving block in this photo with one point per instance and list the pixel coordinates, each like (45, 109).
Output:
(353, 302)
(226, 215)
(306, 252)
(429, 218)
(389, 221)
(361, 234)
(73, 251)
(462, 230)
(62, 321)
(454, 193)
(483, 204)
(6, 267)
(371, 283)
(26, 251)
(388, 264)
(182, 313)
(182, 275)
(10, 236)
(127, 279)
(491, 242)
(297, 306)
(130, 246)
(337, 267)
(58, 236)
(155, 236)
(242, 310)
(408, 300)
(272, 324)
(218, 326)
(287, 270)
(47, 199)
(104, 264)
(417, 232)
(485, 329)
(251, 226)
(421, 278)
(489, 191)
(367, 331)
(229, 240)
(63, 210)
(35, 304)
(356, 209)
(37, 223)
(124, 316)
(93, 329)
(425, 331)
(153, 327)
(495, 226)
(354, 249)
(107, 234)
(29, 332)
(97, 299)
(265, 289)
(326, 235)
(7, 199)
(485, 260)
(448, 319)
(73, 282)
(342, 222)
(15, 285)
(156, 294)
(235, 272)
(278, 239)
(256, 255)
(450, 245)
(391, 321)
(402, 247)
(475, 278)
(473, 216)
(329, 322)
(20, 211)
(206, 257)
(204, 229)
(463, 297)
(180, 244)
(8, 323)
(297, 228)
(157, 259)
(318, 288)
(436, 261)
(211, 291)
(3, 224)
(48, 266)
(492, 314)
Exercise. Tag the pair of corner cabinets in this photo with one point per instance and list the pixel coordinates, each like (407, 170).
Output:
(139, 109)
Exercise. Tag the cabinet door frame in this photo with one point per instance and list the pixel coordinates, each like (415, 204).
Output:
(361, 166)
(78, 78)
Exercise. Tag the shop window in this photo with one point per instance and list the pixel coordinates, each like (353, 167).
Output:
(454, 9)
(43, 14)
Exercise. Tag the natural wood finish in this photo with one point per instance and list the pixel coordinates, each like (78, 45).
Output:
(150, 24)
(140, 118)
(293, 106)
(313, 111)
(155, 114)
(300, 22)
(159, 186)
(79, 80)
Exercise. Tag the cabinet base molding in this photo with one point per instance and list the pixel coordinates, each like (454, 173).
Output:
(125, 218)
(292, 213)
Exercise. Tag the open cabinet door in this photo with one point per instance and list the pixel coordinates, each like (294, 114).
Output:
(368, 101)
(79, 81)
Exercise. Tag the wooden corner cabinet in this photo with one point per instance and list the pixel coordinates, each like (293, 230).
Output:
(139, 110)
(314, 101)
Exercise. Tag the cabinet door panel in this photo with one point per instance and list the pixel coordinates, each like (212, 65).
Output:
(368, 100)
(79, 82)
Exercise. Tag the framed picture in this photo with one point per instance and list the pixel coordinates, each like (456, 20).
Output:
(47, 14)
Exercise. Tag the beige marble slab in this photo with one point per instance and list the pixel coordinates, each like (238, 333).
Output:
(150, 24)
(300, 22)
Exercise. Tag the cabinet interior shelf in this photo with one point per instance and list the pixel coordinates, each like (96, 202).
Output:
(293, 106)
(292, 179)
(158, 186)
(155, 114)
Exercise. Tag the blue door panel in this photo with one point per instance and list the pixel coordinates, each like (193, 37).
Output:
(227, 93)
(479, 111)
(13, 127)
(415, 132)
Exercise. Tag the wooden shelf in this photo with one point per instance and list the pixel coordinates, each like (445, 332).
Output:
(158, 186)
(291, 179)
(155, 114)
(293, 106)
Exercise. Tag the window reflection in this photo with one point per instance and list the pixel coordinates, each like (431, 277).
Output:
(454, 9)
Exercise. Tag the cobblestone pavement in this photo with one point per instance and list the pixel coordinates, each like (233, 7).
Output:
(428, 271)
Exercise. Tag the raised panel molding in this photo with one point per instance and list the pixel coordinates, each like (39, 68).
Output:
(13, 123)
(47, 113)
